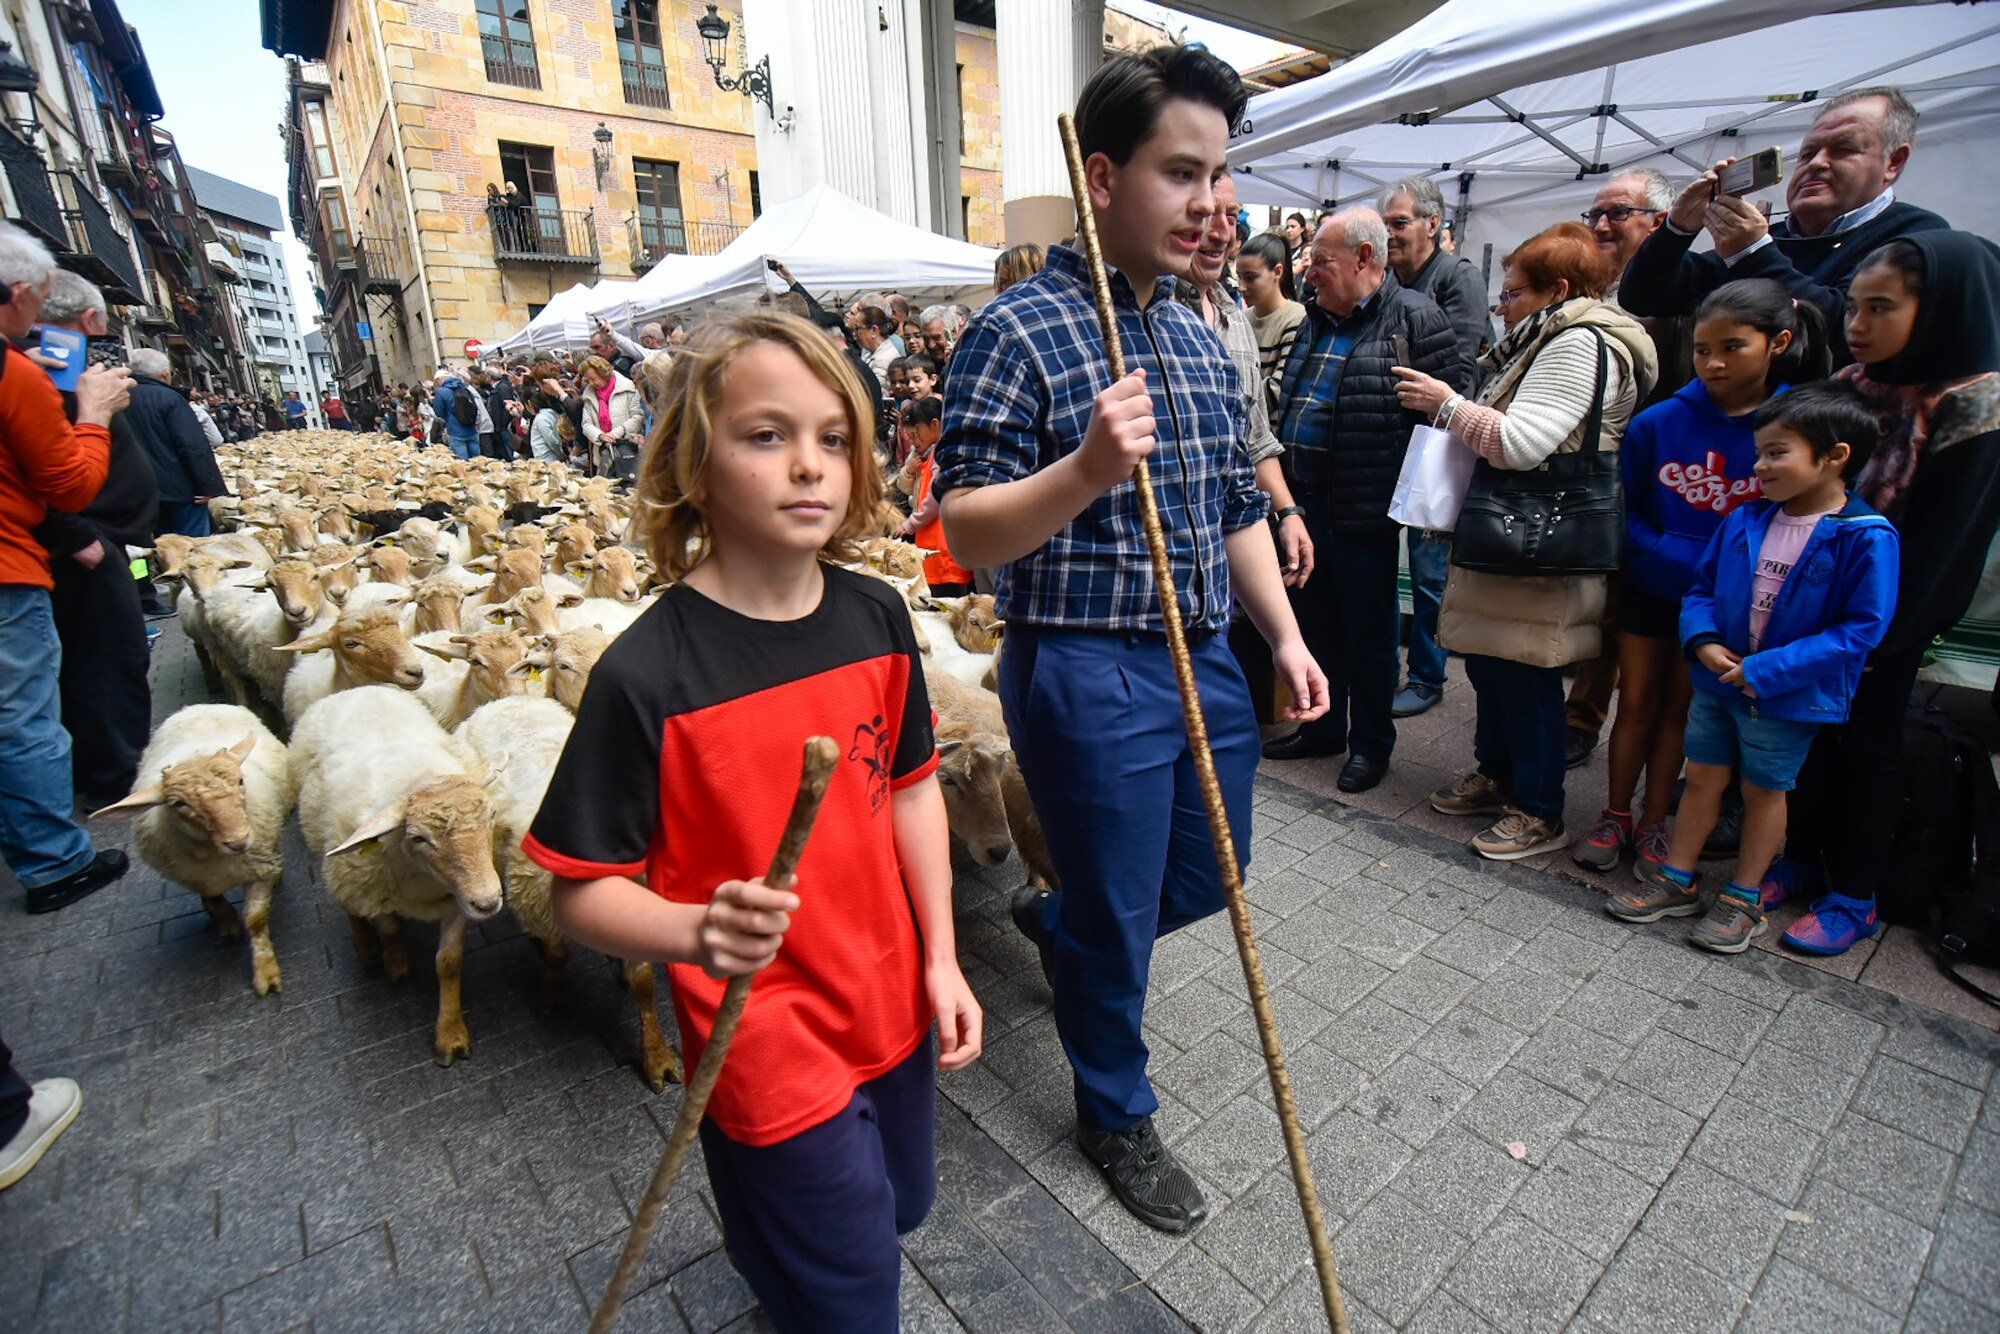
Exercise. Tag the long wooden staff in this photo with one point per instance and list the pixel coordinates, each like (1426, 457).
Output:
(1204, 763)
(821, 753)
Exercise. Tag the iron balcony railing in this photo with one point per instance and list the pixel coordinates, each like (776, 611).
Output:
(645, 84)
(95, 248)
(35, 204)
(549, 235)
(653, 237)
(511, 63)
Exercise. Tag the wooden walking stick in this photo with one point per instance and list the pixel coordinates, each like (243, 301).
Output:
(821, 753)
(1204, 763)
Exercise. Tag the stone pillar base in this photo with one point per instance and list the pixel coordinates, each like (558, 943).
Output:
(1045, 220)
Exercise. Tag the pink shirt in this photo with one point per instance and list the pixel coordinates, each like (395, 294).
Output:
(1784, 540)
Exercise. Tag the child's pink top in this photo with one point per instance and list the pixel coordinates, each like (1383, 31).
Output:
(1784, 541)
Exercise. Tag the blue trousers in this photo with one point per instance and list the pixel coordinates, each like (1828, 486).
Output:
(184, 517)
(39, 840)
(811, 1222)
(1430, 561)
(1350, 620)
(1097, 729)
(1518, 738)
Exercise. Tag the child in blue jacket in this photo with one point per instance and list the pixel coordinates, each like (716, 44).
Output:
(1689, 464)
(1792, 594)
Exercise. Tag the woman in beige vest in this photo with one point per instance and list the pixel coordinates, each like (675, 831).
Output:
(1517, 632)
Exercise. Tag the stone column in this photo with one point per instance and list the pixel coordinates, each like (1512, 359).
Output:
(1048, 48)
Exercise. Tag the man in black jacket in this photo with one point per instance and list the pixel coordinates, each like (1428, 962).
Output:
(106, 704)
(183, 464)
(1843, 205)
(1345, 434)
(1413, 211)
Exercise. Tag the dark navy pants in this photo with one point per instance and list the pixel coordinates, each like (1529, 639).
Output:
(1351, 620)
(811, 1222)
(1518, 738)
(1097, 729)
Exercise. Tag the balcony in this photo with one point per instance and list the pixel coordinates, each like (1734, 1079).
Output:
(645, 85)
(35, 204)
(373, 269)
(546, 235)
(653, 237)
(93, 246)
(511, 63)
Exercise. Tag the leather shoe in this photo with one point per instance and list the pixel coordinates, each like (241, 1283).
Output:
(1027, 908)
(1577, 747)
(1360, 773)
(108, 865)
(1300, 745)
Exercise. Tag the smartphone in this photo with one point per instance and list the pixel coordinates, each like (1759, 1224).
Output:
(1747, 175)
(68, 348)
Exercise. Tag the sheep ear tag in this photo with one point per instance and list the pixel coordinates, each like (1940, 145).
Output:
(534, 676)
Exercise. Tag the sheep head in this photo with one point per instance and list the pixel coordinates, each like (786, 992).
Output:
(300, 528)
(529, 538)
(446, 826)
(171, 550)
(969, 773)
(481, 522)
(440, 604)
(295, 584)
(205, 796)
(897, 559)
(533, 610)
(574, 542)
(568, 659)
(202, 573)
(609, 573)
(974, 622)
(513, 572)
(490, 655)
(387, 564)
(368, 649)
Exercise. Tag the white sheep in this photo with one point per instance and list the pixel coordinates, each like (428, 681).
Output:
(208, 812)
(367, 649)
(520, 741)
(398, 811)
(472, 670)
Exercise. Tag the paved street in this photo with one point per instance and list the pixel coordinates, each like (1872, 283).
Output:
(1523, 1115)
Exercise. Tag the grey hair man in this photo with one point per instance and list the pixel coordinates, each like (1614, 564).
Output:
(1843, 206)
(50, 461)
(1345, 432)
(940, 325)
(99, 613)
(183, 461)
(1413, 212)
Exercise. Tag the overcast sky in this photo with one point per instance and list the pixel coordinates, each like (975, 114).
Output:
(225, 94)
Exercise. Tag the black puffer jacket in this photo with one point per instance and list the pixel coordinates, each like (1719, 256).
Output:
(1370, 429)
(162, 421)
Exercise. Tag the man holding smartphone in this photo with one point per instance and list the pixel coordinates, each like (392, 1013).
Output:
(1843, 205)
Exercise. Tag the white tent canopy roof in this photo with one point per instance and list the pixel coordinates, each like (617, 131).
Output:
(829, 242)
(1520, 122)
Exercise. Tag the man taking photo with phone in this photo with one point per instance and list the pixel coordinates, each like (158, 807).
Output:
(1843, 205)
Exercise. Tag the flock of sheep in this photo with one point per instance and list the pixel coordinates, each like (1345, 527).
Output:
(425, 627)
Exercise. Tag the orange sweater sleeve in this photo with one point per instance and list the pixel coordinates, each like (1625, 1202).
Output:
(64, 465)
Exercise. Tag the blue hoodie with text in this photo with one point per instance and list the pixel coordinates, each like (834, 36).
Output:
(1687, 465)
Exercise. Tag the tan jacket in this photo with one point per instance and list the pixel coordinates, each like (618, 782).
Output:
(1538, 620)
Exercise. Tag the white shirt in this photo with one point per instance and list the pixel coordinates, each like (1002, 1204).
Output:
(1868, 212)
(879, 359)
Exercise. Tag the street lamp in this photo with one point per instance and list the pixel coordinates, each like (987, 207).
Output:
(17, 76)
(601, 154)
(754, 82)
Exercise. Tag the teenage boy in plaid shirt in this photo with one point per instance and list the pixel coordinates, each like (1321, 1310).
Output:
(1036, 470)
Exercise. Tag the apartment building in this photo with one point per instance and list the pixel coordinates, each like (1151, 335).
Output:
(248, 224)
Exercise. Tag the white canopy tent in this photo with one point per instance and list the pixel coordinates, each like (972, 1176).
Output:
(1520, 122)
(828, 241)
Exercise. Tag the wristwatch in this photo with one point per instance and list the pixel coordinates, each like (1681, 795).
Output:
(1279, 516)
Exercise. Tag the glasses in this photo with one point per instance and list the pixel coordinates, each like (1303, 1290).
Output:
(1507, 296)
(1615, 216)
(1399, 222)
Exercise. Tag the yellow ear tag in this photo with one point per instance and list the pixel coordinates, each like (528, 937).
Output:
(534, 676)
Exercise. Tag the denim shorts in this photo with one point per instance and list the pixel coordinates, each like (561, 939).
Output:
(1724, 732)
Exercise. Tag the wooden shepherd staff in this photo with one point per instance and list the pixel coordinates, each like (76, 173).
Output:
(1204, 763)
(821, 753)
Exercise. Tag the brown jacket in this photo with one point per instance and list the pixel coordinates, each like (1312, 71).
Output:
(1540, 620)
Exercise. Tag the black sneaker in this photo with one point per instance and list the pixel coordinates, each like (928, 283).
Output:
(106, 867)
(1145, 1176)
(1027, 909)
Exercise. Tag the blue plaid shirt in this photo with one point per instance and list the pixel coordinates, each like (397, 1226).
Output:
(1024, 378)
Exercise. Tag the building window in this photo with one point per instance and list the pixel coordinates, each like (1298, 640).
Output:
(536, 307)
(508, 43)
(756, 196)
(334, 214)
(531, 169)
(661, 229)
(322, 143)
(962, 136)
(642, 61)
(965, 216)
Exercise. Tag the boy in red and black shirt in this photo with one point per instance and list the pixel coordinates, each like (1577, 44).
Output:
(682, 768)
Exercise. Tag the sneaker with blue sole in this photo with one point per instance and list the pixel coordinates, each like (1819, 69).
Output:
(1835, 925)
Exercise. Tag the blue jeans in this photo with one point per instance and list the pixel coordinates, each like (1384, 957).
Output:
(1430, 561)
(1097, 729)
(1518, 738)
(39, 840)
(465, 446)
(186, 517)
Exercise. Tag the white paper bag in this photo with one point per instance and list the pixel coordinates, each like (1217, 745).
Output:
(1430, 491)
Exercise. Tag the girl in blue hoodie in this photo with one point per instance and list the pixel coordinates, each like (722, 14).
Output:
(1688, 463)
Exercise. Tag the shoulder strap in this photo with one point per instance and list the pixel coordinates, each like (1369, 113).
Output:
(1593, 427)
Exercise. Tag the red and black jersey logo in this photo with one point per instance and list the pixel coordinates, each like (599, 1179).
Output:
(871, 751)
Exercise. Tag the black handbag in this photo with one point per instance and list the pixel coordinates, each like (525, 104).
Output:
(1565, 517)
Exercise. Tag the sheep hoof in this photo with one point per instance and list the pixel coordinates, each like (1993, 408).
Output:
(453, 1041)
(265, 978)
(665, 1072)
(395, 965)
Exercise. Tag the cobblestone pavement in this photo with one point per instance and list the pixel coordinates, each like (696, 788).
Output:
(1522, 1115)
